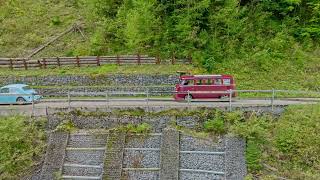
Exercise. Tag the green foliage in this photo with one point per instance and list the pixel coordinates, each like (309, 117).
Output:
(253, 157)
(22, 143)
(136, 128)
(268, 40)
(66, 126)
(296, 135)
(56, 20)
(290, 144)
(214, 125)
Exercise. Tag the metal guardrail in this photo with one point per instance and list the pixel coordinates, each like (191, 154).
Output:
(147, 96)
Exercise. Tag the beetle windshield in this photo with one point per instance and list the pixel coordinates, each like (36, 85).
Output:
(26, 88)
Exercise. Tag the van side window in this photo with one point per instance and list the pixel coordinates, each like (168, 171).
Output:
(217, 81)
(188, 82)
(209, 81)
(4, 90)
(199, 82)
(226, 81)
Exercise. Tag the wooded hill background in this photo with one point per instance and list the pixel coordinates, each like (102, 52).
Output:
(278, 39)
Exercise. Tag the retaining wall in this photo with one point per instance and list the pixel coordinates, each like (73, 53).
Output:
(102, 80)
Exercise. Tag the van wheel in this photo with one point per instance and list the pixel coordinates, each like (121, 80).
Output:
(224, 97)
(20, 100)
(188, 97)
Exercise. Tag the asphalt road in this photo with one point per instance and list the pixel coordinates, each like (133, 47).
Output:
(40, 108)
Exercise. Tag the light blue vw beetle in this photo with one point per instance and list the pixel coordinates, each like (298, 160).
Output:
(18, 94)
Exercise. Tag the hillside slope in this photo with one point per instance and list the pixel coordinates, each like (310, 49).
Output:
(265, 45)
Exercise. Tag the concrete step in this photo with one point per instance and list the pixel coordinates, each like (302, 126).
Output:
(85, 140)
(85, 156)
(82, 170)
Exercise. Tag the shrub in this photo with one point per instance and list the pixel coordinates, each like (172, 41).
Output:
(253, 156)
(140, 128)
(215, 125)
(21, 143)
(66, 126)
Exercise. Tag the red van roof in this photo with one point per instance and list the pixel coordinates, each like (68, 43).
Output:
(203, 76)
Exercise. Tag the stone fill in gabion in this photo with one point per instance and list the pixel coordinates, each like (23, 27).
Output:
(141, 175)
(87, 157)
(78, 80)
(189, 143)
(207, 162)
(143, 141)
(82, 171)
(87, 140)
(141, 159)
(235, 158)
(200, 176)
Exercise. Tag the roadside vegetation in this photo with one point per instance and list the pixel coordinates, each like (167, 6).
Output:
(105, 70)
(285, 147)
(265, 44)
(22, 143)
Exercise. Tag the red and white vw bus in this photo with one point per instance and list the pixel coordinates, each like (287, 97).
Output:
(204, 87)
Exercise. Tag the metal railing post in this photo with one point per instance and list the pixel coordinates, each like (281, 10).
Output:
(189, 99)
(32, 112)
(107, 101)
(230, 100)
(69, 101)
(147, 93)
(272, 100)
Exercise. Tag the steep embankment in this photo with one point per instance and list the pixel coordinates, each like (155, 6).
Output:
(265, 45)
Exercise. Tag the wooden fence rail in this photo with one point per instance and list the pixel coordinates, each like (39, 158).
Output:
(77, 61)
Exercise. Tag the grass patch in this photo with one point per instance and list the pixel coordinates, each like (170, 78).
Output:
(66, 126)
(22, 143)
(142, 128)
(288, 146)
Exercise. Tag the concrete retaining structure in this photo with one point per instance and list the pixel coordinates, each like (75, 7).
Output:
(166, 153)
(170, 154)
(53, 163)
(101, 80)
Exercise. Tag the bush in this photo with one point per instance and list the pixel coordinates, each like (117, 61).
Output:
(215, 125)
(253, 157)
(140, 128)
(66, 126)
(22, 142)
(296, 135)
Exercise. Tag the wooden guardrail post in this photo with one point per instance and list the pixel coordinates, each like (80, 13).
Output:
(39, 64)
(190, 59)
(118, 60)
(78, 61)
(98, 60)
(58, 61)
(44, 63)
(139, 59)
(173, 60)
(11, 64)
(25, 64)
(158, 60)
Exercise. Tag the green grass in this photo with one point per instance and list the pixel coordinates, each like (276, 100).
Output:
(284, 75)
(288, 146)
(25, 25)
(22, 143)
(103, 70)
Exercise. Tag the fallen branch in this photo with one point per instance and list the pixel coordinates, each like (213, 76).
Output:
(72, 28)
